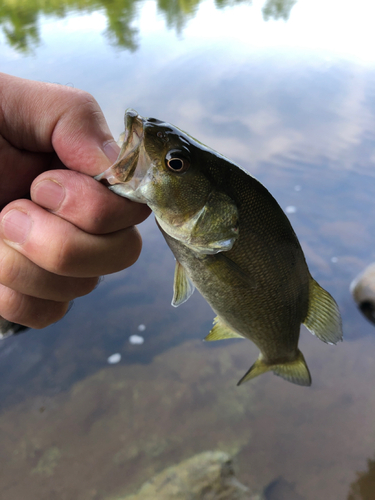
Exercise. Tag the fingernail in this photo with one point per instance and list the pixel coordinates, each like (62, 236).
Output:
(16, 226)
(111, 150)
(48, 194)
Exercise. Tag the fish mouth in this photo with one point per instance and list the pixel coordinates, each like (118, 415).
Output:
(124, 176)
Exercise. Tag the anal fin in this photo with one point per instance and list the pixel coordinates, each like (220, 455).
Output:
(220, 331)
(183, 287)
(295, 371)
(323, 317)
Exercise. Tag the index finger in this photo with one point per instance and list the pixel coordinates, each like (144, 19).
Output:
(85, 202)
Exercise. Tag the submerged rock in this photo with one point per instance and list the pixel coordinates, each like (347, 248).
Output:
(206, 476)
(363, 291)
(280, 489)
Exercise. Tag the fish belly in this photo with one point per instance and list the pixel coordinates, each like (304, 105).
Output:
(249, 307)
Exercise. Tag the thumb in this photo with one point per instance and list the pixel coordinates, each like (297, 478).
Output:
(45, 117)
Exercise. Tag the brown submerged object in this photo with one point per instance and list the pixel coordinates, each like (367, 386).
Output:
(363, 291)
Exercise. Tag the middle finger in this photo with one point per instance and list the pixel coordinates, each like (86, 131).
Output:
(61, 248)
(20, 274)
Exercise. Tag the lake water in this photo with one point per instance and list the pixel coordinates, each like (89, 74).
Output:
(287, 90)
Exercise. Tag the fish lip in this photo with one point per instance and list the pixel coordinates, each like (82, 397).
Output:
(133, 130)
(122, 171)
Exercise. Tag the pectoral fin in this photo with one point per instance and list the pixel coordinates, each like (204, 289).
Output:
(295, 371)
(323, 317)
(212, 229)
(216, 227)
(220, 331)
(182, 286)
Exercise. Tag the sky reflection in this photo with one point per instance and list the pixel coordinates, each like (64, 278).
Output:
(293, 102)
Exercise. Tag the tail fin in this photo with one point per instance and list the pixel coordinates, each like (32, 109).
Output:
(323, 317)
(295, 371)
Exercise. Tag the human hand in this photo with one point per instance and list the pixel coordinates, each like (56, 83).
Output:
(54, 247)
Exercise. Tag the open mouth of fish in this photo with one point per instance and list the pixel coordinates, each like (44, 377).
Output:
(127, 174)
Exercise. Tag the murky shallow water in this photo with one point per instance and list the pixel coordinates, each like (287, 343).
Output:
(298, 113)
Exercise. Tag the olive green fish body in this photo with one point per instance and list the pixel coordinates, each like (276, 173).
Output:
(231, 240)
(265, 290)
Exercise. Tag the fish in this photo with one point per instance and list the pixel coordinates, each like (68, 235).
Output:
(231, 240)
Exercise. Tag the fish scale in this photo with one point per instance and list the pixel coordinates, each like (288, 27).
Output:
(231, 240)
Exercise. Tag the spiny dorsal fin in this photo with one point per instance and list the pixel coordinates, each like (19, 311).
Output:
(221, 331)
(182, 286)
(323, 317)
(295, 371)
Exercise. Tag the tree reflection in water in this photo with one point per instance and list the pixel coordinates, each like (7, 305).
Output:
(19, 21)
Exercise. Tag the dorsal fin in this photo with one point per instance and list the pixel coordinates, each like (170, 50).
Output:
(323, 317)
(220, 331)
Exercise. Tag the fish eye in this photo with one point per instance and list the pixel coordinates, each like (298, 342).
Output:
(177, 162)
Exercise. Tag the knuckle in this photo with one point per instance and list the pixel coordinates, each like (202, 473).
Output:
(84, 105)
(85, 286)
(13, 306)
(98, 221)
(104, 256)
(10, 272)
(63, 257)
(125, 250)
(49, 313)
(86, 99)
(80, 98)
(9, 305)
(134, 246)
(30, 311)
(70, 288)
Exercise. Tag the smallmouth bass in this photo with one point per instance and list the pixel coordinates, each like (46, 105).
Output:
(231, 241)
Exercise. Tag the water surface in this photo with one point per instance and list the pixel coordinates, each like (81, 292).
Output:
(287, 91)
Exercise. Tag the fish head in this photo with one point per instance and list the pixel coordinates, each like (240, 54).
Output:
(156, 166)
(167, 169)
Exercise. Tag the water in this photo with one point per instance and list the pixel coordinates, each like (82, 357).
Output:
(287, 91)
